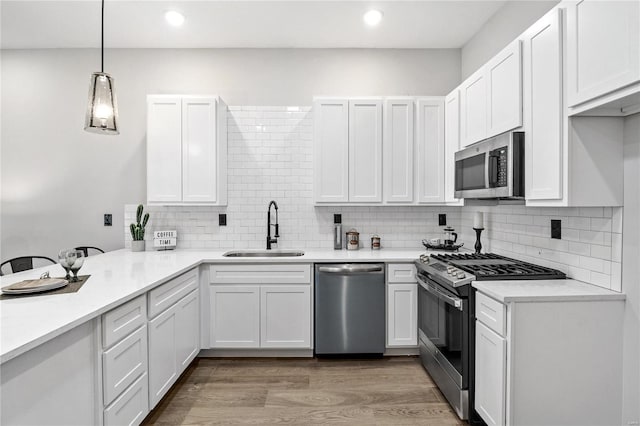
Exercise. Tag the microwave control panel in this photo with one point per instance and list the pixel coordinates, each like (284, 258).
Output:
(498, 172)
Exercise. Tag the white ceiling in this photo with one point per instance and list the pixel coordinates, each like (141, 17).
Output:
(258, 24)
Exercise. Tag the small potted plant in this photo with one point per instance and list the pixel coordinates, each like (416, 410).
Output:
(137, 230)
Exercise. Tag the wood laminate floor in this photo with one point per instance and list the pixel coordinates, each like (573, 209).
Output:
(389, 391)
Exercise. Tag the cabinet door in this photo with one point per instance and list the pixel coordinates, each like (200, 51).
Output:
(473, 109)
(164, 149)
(331, 150)
(603, 47)
(451, 143)
(402, 315)
(199, 157)
(235, 316)
(365, 151)
(398, 151)
(285, 316)
(188, 330)
(430, 144)
(504, 79)
(491, 365)
(163, 364)
(542, 78)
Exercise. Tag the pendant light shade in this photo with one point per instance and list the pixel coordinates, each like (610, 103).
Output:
(102, 108)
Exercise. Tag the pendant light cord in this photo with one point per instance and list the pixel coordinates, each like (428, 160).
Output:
(102, 40)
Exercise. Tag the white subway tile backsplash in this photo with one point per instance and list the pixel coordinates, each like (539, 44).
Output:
(590, 248)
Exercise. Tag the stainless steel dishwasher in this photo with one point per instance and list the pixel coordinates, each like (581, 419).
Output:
(349, 309)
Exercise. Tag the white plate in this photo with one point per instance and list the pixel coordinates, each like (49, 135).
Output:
(35, 286)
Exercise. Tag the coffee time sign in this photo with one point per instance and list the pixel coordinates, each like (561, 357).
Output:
(165, 240)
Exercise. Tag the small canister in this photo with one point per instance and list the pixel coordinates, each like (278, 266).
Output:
(353, 240)
(375, 242)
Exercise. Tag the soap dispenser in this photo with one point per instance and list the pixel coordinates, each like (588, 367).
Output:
(337, 232)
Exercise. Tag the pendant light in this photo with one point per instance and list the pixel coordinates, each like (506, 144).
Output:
(102, 108)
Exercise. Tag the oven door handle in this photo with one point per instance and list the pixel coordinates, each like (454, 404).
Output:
(453, 301)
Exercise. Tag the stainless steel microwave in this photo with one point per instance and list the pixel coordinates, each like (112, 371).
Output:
(493, 168)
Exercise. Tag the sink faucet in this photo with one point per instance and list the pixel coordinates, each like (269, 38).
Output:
(273, 240)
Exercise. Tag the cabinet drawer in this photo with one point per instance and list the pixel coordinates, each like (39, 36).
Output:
(261, 274)
(491, 313)
(160, 298)
(401, 273)
(122, 320)
(131, 407)
(124, 363)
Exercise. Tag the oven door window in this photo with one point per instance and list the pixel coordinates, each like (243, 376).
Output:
(470, 173)
(443, 324)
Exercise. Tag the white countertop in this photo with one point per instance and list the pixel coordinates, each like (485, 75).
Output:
(544, 291)
(119, 276)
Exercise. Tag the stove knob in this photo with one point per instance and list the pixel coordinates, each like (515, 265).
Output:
(460, 274)
(450, 269)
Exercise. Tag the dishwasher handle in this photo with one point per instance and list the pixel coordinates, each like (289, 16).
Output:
(350, 268)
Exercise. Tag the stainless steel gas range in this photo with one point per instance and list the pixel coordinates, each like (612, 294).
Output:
(446, 316)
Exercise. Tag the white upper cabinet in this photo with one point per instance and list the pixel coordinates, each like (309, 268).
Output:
(451, 143)
(186, 150)
(164, 149)
(331, 150)
(365, 151)
(603, 47)
(491, 98)
(398, 151)
(473, 109)
(430, 146)
(543, 127)
(198, 153)
(504, 77)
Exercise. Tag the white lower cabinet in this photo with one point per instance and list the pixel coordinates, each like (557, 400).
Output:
(174, 340)
(490, 375)
(125, 394)
(124, 363)
(131, 407)
(402, 315)
(260, 306)
(285, 316)
(545, 364)
(235, 316)
(402, 305)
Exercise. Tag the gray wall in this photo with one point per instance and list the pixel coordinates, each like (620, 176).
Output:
(501, 29)
(58, 180)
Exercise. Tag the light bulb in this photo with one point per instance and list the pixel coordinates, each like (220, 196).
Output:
(103, 111)
(174, 18)
(372, 17)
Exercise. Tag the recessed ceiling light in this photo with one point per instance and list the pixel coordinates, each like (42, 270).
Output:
(174, 18)
(372, 17)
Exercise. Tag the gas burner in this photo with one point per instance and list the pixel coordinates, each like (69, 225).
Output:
(489, 266)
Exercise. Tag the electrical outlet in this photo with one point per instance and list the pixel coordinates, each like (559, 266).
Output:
(337, 218)
(442, 220)
(556, 229)
(108, 219)
(222, 219)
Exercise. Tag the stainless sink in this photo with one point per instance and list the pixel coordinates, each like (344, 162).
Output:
(264, 253)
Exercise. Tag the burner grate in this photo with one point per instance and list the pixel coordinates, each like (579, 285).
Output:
(489, 266)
